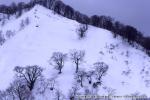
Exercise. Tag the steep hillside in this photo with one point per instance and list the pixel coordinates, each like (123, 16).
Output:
(33, 44)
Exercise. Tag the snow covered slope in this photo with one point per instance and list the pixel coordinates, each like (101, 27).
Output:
(129, 70)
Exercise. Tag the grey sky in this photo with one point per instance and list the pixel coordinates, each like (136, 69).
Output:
(132, 12)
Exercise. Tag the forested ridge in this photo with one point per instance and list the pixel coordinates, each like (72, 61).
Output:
(128, 33)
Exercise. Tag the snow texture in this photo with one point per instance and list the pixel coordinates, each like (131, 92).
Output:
(129, 70)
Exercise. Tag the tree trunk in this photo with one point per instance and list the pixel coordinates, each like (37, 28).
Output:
(19, 95)
(71, 98)
(81, 83)
(31, 85)
(77, 66)
(60, 71)
(90, 81)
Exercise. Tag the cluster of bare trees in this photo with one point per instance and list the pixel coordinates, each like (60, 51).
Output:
(29, 79)
(9, 33)
(93, 77)
(3, 37)
(25, 81)
(88, 81)
(77, 57)
(58, 59)
(24, 23)
(28, 82)
(81, 76)
(15, 9)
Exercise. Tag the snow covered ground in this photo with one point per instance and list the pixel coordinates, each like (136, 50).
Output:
(129, 70)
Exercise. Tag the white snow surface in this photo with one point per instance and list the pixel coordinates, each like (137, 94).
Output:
(49, 32)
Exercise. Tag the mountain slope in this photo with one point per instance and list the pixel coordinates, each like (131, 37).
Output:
(48, 33)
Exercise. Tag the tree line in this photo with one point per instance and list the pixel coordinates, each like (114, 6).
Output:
(127, 32)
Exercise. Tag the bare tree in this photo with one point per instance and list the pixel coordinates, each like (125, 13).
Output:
(73, 92)
(82, 30)
(9, 33)
(46, 84)
(3, 95)
(59, 95)
(2, 38)
(22, 25)
(10, 93)
(89, 76)
(27, 21)
(80, 76)
(41, 87)
(29, 74)
(3, 22)
(58, 59)
(100, 69)
(51, 83)
(77, 58)
(18, 90)
(111, 91)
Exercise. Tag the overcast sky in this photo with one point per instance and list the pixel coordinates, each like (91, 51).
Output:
(132, 12)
